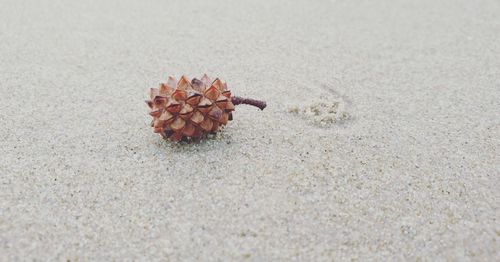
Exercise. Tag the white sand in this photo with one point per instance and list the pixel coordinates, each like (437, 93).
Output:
(381, 139)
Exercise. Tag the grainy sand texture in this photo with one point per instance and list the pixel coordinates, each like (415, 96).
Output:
(381, 139)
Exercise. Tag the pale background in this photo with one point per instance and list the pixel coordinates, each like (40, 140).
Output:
(400, 162)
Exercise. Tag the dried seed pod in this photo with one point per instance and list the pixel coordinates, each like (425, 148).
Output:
(186, 109)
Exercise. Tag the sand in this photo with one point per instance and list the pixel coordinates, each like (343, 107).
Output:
(380, 141)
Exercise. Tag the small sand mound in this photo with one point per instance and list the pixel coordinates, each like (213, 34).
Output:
(322, 113)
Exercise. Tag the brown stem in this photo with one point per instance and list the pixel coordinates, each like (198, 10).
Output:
(248, 101)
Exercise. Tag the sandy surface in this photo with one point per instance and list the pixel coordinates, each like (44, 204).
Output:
(381, 139)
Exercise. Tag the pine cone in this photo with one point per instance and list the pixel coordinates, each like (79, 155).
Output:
(186, 109)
